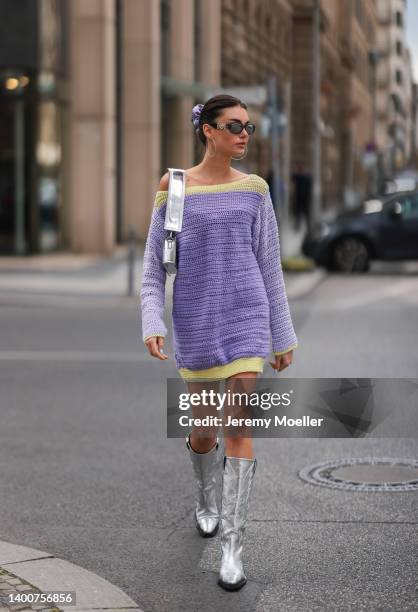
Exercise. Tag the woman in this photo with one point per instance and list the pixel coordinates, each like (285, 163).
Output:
(228, 299)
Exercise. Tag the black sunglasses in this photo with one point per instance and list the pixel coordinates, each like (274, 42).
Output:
(235, 127)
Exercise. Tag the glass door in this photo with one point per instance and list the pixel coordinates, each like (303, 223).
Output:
(13, 201)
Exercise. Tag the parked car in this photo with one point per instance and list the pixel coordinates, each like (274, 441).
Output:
(405, 182)
(385, 228)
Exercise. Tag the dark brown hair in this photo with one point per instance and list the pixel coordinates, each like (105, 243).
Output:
(213, 108)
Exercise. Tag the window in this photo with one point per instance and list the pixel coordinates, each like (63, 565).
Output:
(197, 39)
(165, 36)
(399, 20)
(359, 11)
(398, 47)
(370, 31)
(410, 206)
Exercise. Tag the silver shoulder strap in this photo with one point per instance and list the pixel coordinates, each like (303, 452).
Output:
(175, 200)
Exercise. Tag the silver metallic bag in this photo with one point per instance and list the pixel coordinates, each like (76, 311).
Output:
(173, 217)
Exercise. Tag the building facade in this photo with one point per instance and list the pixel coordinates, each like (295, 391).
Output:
(395, 88)
(96, 102)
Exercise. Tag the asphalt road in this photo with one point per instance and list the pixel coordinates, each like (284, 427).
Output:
(88, 474)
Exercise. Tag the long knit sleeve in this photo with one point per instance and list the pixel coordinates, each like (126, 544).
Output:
(266, 247)
(152, 292)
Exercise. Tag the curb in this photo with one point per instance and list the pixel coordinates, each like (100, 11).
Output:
(41, 290)
(59, 262)
(25, 569)
(300, 284)
(67, 300)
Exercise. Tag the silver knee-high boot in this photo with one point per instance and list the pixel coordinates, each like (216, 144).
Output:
(206, 466)
(238, 477)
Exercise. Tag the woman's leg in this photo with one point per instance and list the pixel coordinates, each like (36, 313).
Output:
(240, 444)
(202, 439)
(238, 476)
(206, 457)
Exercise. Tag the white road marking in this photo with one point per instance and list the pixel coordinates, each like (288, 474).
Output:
(74, 356)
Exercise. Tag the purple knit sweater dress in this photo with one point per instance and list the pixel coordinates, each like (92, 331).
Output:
(229, 300)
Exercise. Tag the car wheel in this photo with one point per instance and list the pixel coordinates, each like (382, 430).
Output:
(350, 255)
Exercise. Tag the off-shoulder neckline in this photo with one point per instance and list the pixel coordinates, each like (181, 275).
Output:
(197, 187)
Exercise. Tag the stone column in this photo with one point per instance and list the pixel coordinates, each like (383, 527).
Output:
(179, 128)
(141, 137)
(92, 131)
(209, 67)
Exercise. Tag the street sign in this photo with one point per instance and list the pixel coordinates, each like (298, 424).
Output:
(369, 159)
(265, 126)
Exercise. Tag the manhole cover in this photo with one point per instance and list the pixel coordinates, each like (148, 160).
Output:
(366, 474)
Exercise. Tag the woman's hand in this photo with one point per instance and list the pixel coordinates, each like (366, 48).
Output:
(282, 361)
(155, 347)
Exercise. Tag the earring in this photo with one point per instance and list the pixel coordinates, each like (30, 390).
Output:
(242, 157)
(207, 148)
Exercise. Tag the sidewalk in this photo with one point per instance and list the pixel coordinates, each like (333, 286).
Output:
(69, 275)
(106, 277)
(35, 580)
(291, 239)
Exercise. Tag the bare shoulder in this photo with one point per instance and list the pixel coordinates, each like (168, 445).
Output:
(164, 182)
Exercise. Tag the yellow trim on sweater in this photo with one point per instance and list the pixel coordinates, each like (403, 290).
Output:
(243, 364)
(286, 350)
(153, 336)
(251, 182)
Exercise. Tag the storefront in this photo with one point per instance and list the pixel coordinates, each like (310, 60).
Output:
(33, 111)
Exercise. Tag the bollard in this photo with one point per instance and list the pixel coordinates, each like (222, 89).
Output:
(131, 261)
